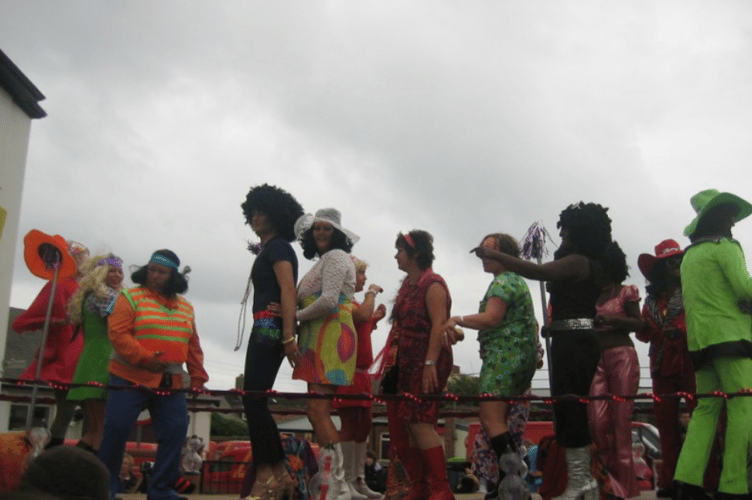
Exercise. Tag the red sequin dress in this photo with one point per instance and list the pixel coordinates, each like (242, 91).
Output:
(413, 325)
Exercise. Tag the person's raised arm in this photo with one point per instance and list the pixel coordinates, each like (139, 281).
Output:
(575, 267)
(365, 311)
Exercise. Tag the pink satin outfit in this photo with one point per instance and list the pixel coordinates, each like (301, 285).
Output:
(618, 373)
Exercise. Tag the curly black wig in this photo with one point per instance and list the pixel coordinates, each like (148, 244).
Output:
(177, 283)
(615, 264)
(422, 252)
(279, 206)
(589, 228)
(340, 241)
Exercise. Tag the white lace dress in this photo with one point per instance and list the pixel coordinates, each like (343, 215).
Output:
(327, 338)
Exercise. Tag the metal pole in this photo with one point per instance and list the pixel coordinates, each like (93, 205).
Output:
(40, 358)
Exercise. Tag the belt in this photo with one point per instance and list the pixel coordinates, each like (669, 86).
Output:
(263, 314)
(572, 324)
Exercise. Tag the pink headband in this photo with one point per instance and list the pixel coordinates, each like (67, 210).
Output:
(409, 240)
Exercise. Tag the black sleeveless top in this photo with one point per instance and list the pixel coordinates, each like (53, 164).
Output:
(572, 299)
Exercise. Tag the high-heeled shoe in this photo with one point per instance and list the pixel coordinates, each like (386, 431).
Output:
(286, 488)
(269, 490)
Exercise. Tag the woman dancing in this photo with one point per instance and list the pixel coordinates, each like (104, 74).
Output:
(424, 362)
(618, 372)
(328, 342)
(507, 334)
(573, 285)
(355, 414)
(671, 366)
(89, 308)
(271, 212)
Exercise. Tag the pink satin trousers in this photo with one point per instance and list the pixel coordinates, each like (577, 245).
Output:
(618, 373)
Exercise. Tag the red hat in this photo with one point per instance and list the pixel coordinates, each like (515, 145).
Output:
(663, 250)
(39, 253)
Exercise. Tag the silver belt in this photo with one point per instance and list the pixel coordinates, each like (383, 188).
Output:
(572, 324)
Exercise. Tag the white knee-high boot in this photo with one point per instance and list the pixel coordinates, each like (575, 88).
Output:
(329, 482)
(350, 466)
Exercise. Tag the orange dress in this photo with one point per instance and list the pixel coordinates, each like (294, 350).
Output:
(61, 350)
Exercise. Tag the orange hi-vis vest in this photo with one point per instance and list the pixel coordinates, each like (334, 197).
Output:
(158, 328)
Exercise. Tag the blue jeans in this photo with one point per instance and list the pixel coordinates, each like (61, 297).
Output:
(169, 416)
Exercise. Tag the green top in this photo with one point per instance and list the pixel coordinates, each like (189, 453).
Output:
(714, 279)
(518, 324)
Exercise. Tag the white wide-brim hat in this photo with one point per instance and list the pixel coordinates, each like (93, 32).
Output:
(330, 216)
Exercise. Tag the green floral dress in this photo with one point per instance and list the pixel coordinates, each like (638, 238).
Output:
(508, 351)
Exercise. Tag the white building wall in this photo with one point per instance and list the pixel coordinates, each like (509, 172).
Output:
(15, 127)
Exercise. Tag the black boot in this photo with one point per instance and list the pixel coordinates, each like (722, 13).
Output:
(686, 491)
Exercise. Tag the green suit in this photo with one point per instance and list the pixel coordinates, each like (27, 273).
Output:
(719, 335)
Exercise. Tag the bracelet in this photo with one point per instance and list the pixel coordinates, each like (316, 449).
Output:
(430, 363)
(462, 320)
(288, 340)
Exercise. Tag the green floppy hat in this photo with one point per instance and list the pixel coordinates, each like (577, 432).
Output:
(703, 201)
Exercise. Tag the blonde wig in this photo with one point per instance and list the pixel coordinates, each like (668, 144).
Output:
(360, 265)
(92, 281)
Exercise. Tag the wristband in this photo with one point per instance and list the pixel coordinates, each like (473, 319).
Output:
(288, 340)
(430, 363)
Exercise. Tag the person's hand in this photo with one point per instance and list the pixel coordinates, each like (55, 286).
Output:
(292, 353)
(450, 324)
(430, 379)
(374, 289)
(379, 313)
(481, 252)
(454, 335)
(275, 309)
(154, 365)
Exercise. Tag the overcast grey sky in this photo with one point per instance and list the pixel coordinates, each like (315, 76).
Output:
(460, 118)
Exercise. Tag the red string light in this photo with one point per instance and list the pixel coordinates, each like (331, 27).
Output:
(381, 399)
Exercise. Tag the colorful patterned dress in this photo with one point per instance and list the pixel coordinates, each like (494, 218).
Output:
(327, 337)
(508, 350)
(362, 380)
